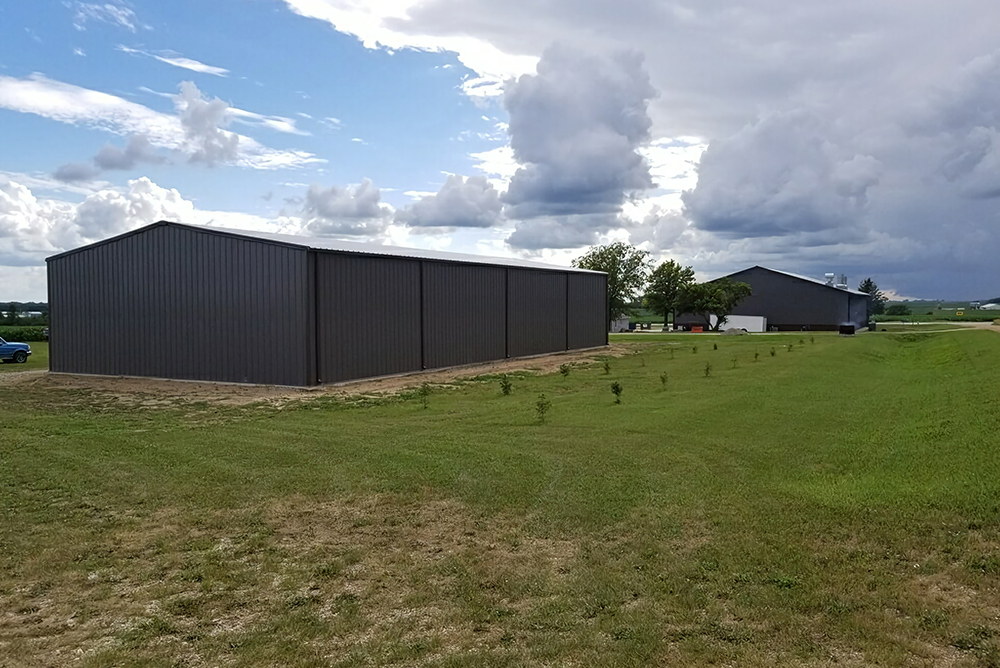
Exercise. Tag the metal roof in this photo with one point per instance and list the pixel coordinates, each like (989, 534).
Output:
(336, 245)
(806, 278)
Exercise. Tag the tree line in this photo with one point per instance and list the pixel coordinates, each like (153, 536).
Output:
(16, 313)
(667, 288)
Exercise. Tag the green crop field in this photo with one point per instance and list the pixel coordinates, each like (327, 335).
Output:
(777, 501)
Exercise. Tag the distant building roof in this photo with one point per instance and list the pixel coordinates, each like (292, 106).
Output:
(803, 278)
(328, 244)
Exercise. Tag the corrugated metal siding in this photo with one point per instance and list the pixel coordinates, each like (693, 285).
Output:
(859, 311)
(368, 316)
(464, 314)
(536, 312)
(171, 302)
(791, 303)
(586, 304)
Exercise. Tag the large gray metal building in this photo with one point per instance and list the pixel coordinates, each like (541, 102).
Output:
(794, 302)
(179, 301)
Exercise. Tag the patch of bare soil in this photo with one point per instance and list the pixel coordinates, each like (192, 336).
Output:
(149, 392)
(13, 377)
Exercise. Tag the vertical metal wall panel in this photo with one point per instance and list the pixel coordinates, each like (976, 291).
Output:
(536, 311)
(791, 303)
(464, 315)
(586, 304)
(859, 311)
(368, 316)
(171, 302)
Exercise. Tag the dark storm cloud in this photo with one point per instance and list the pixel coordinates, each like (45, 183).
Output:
(780, 176)
(576, 127)
(854, 135)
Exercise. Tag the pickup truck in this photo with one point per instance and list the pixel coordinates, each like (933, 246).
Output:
(14, 352)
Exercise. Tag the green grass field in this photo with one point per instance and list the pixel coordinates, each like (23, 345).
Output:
(778, 501)
(930, 315)
(39, 359)
(897, 327)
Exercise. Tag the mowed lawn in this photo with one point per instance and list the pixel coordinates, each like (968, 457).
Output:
(39, 359)
(810, 500)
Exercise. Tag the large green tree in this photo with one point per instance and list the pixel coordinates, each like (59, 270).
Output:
(627, 268)
(718, 298)
(665, 286)
(875, 295)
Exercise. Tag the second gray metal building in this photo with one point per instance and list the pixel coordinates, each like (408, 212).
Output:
(185, 302)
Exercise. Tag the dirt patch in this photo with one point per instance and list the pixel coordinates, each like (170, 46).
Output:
(402, 582)
(150, 393)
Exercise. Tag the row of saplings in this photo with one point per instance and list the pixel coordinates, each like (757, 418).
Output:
(543, 405)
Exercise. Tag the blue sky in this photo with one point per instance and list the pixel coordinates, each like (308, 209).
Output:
(407, 108)
(859, 138)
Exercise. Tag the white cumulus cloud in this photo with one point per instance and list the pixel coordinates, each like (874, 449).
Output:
(66, 103)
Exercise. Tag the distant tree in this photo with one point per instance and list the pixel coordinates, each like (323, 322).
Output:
(898, 309)
(875, 295)
(717, 298)
(627, 268)
(13, 313)
(665, 286)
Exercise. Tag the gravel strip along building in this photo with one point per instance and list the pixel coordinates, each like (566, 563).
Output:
(195, 303)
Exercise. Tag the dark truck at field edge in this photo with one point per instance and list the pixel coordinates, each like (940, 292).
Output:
(12, 352)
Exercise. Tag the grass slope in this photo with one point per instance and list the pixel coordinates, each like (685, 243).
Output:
(835, 502)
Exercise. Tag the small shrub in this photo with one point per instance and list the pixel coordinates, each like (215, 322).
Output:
(773, 352)
(607, 367)
(784, 581)
(542, 407)
(897, 309)
(694, 350)
(933, 619)
(616, 389)
(790, 347)
(802, 342)
(988, 564)
(663, 379)
(424, 393)
(756, 354)
(564, 370)
(812, 339)
(715, 346)
(734, 362)
(708, 369)
(506, 386)
(973, 639)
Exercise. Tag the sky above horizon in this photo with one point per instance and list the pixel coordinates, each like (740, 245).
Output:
(855, 137)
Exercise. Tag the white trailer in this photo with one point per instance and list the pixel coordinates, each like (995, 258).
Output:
(750, 323)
